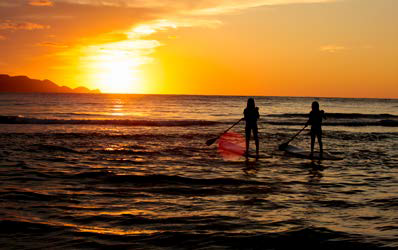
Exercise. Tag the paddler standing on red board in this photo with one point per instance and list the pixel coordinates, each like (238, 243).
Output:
(251, 115)
(315, 120)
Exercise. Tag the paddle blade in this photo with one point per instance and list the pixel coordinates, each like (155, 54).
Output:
(211, 141)
(283, 146)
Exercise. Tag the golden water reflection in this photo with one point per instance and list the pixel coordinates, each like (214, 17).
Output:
(115, 231)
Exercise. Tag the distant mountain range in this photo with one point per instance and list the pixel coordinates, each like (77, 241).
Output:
(25, 84)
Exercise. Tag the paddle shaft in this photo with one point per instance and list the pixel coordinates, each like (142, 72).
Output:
(231, 127)
(295, 135)
(211, 141)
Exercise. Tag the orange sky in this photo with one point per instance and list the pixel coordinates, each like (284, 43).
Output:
(345, 48)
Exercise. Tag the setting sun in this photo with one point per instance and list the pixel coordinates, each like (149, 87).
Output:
(114, 67)
(118, 77)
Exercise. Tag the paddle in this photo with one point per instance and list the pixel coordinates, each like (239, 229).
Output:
(211, 141)
(284, 145)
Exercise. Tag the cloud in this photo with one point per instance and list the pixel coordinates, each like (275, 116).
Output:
(6, 4)
(189, 5)
(149, 28)
(2, 37)
(13, 25)
(153, 9)
(41, 3)
(332, 48)
(52, 45)
(229, 6)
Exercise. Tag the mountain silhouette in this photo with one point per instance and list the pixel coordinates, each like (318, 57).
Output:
(25, 84)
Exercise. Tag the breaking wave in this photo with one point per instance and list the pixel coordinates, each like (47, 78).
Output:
(339, 116)
(288, 119)
(336, 119)
(385, 123)
(120, 122)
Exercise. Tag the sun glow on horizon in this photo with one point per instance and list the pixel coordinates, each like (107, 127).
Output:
(118, 77)
(115, 67)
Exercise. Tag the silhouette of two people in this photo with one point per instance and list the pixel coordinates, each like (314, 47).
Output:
(315, 117)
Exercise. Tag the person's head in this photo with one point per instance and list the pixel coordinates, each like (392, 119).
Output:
(315, 106)
(250, 103)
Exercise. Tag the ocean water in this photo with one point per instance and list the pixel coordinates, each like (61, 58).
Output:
(81, 171)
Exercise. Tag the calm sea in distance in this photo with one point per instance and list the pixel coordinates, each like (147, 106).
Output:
(97, 171)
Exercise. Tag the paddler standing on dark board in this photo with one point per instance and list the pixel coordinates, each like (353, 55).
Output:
(315, 120)
(251, 115)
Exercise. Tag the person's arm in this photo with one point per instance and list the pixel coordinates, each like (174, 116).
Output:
(257, 113)
(309, 120)
(323, 114)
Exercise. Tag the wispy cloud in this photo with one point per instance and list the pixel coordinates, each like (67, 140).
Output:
(8, 4)
(52, 45)
(149, 28)
(333, 48)
(211, 7)
(189, 5)
(15, 25)
(41, 3)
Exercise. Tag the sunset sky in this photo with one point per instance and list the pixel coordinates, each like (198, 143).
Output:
(341, 48)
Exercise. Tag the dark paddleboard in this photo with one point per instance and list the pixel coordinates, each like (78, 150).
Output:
(260, 156)
(305, 154)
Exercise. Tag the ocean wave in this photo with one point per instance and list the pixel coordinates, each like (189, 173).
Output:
(340, 204)
(80, 114)
(53, 148)
(201, 233)
(188, 123)
(162, 179)
(370, 137)
(387, 204)
(170, 123)
(54, 143)
(8, 226)
(339, 115)
(29, 196)
(384, 123)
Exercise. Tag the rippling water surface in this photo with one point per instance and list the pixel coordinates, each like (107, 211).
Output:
(134, 172)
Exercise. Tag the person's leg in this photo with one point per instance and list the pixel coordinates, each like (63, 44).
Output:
(312, 143)
(247, 133)
(319, 135)
(255, 134)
